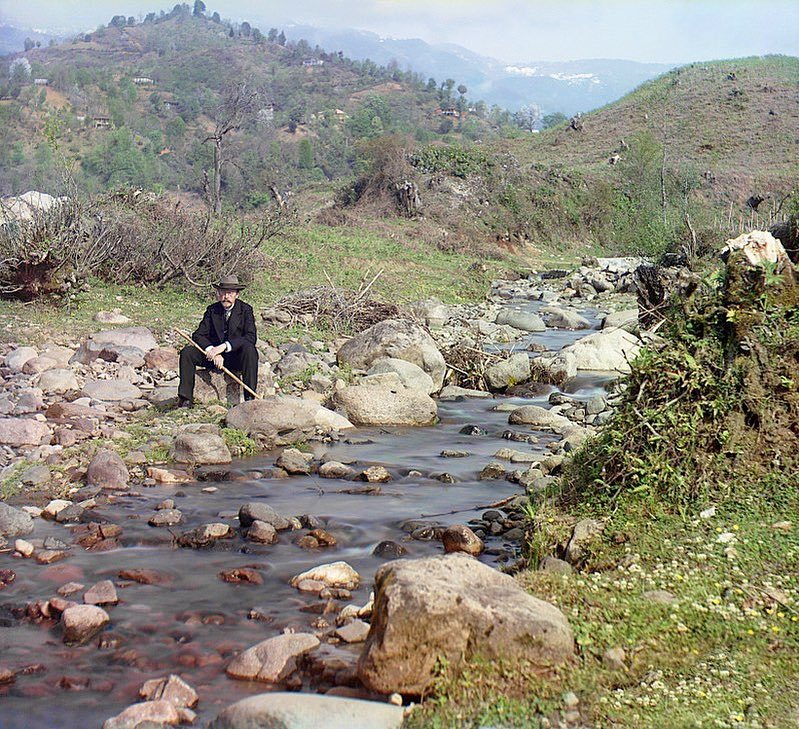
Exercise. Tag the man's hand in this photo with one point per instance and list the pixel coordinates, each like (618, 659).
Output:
(214, 353)
(218, 361)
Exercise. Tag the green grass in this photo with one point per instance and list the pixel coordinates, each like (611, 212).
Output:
(300, 259)
(726, 653)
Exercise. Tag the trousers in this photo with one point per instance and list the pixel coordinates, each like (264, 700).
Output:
(243, 360)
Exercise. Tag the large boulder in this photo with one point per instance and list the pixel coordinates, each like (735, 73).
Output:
(124, 345)
(508, 372)
(538, 417)
(609, 350)
(17, 358)
(370, 405)
(626, 319)
(308, 711)
(200, 449)
(412, 376)
(14, 522)
(399, 339)
(283, 420)
(559, 318)
(453, 607)
(524, 320)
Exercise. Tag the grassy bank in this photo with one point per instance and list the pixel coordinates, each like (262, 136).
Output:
(302, 258)
(724, 653)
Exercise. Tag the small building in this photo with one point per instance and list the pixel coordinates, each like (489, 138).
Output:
(102, 122)
(41, 81)
(310, 62)
(143, 81)
(450, 111)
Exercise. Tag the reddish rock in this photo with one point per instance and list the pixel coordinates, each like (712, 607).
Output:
(325, 539)
(168, 475)
(82, 622)
(145, 576)
(7, 577)
(162, 359)
(459, 538)
(70, 588)
(240, 575)
(6, 675)
(146, 713)
(18, 432)
(262, 533)
(102, 593)
(307, 542)
(48, 556)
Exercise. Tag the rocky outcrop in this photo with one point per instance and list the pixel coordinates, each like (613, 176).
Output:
(399, 339)
(453, 607)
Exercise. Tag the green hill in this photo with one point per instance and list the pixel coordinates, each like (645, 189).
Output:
(134, 103)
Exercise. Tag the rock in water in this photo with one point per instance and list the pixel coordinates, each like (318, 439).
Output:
(81, 622)
(308, 711)
(453, 607)
(367, 405)
(14, 522)
(273, 659)
(282, 420)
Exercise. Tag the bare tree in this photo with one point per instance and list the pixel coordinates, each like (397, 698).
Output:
(528, 117)
(236, 106)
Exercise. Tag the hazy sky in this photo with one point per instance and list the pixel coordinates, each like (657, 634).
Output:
(672, 31)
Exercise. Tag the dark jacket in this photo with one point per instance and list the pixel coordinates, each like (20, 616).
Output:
(241, 327)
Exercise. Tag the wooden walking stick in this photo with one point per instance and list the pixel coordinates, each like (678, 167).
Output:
(223, 368)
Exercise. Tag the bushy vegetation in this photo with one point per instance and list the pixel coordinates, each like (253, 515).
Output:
(127, 236)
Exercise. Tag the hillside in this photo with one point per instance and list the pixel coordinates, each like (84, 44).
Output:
(735, 121)
(135, 102)
(683, 162)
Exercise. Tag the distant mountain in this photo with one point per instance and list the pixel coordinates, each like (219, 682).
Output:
(12, 40)
(567, 86)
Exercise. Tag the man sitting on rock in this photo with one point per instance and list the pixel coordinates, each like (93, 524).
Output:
(227, 334)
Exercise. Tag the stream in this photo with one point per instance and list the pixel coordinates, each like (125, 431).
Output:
(193, 625)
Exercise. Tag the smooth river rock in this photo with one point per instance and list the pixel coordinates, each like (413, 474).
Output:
(307, 711)
(369, 405)
(453, 607)
(200, 449)
(14, 522)
(284, 420)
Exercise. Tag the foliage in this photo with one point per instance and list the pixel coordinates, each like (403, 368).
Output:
(451, 159)
(128, 236)
(239, 443)
(715, 408)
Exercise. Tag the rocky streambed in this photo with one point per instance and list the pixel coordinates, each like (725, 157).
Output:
(188, 586)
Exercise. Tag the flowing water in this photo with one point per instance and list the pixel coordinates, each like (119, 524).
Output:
(194, 624)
